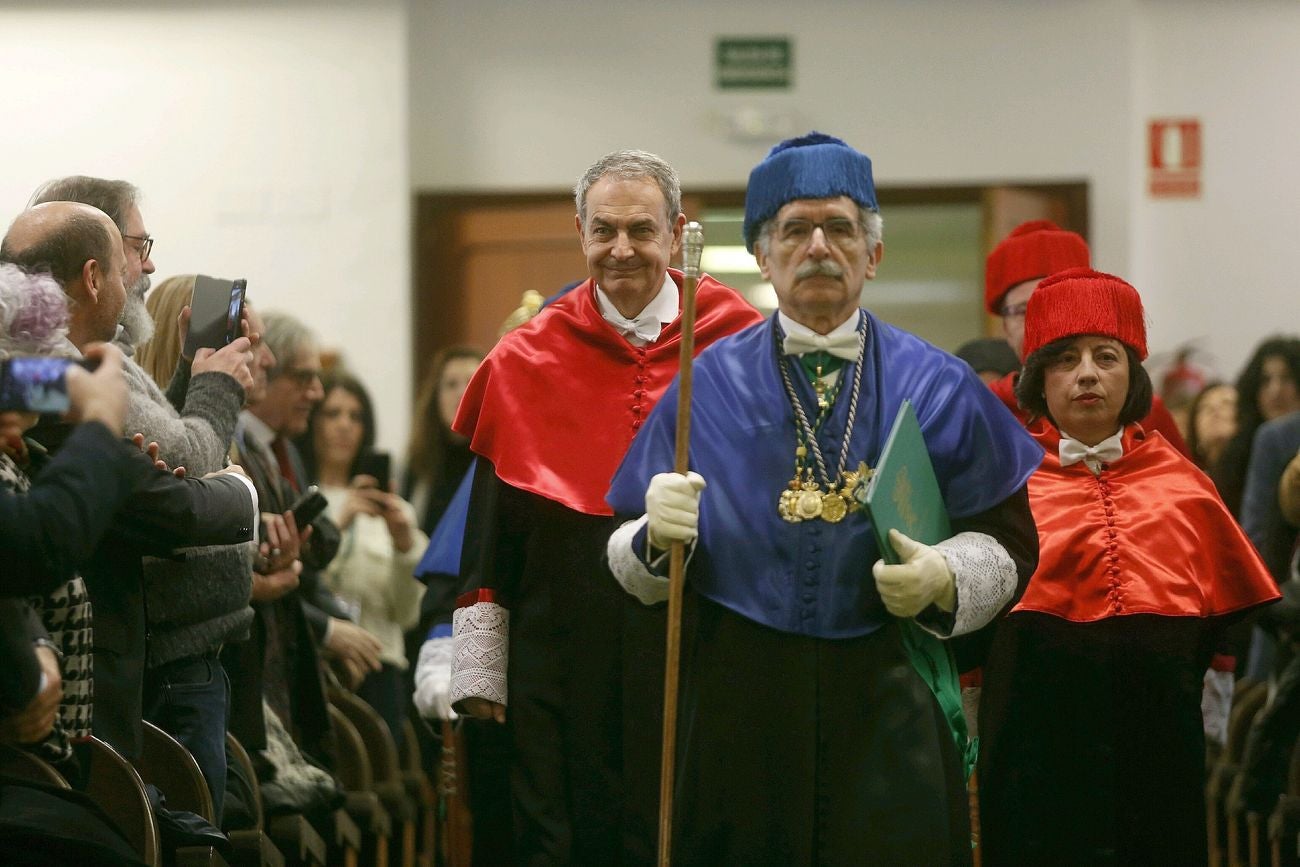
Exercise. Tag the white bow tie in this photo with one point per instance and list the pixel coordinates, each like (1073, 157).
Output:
(843, 345)
(1073, 451)
(647, 328)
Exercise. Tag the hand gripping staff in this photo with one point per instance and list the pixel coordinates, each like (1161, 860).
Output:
(692, 247)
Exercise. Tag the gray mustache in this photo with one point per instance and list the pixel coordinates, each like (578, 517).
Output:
(818, 268)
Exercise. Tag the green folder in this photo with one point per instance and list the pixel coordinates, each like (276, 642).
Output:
(903, 494)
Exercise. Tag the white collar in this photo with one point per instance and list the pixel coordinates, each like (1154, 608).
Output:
(647, 325)
(848, 326)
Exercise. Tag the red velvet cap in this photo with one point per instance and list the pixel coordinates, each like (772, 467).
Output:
(1083, 301)
(1033, 250)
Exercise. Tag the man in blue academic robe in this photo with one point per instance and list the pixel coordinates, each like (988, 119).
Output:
(806, 733)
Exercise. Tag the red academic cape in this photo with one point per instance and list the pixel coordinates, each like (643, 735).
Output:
(1149, 535)
(556, 403)
(1158, 419)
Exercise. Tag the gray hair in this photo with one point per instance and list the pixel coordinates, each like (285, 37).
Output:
(33, 313)
(870, 220)
(65, 248)
(630, 166)
(286, 336)
(114, 198)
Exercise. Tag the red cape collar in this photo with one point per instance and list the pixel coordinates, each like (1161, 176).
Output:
(1147, 536)
(555, 405)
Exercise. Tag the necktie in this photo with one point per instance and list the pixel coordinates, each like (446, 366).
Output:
(843, 345)
(1073, 451)
(280, 448)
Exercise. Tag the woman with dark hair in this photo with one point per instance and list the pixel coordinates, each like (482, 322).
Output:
(1211, 424)
(1268, 388)
(437, 457)
(380, 543)
(1092, 749)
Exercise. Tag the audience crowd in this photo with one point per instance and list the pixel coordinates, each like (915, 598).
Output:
(162, 566)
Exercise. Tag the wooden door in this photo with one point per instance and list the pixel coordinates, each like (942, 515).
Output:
(476, 256)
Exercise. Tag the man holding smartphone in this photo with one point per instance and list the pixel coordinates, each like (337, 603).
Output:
(200, 601)
(292, 622)
(82, 248)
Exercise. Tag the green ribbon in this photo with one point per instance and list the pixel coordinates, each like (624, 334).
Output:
(933, 661)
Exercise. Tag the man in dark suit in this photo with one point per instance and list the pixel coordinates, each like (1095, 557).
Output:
(279, 662)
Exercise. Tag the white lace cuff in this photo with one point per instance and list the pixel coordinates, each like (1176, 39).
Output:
(481, 634)
(985, 576)
(630, 570)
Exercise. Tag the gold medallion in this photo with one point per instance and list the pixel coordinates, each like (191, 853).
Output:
(809, 505)
(833, 508)
(786, 506)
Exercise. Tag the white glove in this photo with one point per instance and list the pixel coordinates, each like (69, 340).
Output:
(672, 506)
(1216, 704)
(922, 578)
(433, 679)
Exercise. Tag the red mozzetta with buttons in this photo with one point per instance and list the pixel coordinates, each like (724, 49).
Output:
(1149, 535)
(555, 405)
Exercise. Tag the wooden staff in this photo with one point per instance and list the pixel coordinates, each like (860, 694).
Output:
(692, 247)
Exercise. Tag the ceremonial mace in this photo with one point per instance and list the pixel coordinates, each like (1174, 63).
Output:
(692, 247)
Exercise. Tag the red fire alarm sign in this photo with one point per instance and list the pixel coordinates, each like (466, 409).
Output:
(1174, 157)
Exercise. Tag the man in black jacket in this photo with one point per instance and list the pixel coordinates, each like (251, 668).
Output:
(82, 248)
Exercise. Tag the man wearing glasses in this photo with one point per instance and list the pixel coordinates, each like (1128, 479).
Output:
(118, 199)
(807, 733)
(1034, 250)
(198, 602)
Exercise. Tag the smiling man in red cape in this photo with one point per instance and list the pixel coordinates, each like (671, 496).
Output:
(541, 624)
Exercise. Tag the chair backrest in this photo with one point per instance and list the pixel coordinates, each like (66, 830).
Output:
(237, 754)
(378, 740)
(352, 763)
(118, 790)
(166, 763)
(411, 756)
(21, 764)
(1244, 707)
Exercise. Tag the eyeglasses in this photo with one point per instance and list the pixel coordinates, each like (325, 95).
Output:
(146, 245)
(1015, 311)
(840, 231)
(302, 377)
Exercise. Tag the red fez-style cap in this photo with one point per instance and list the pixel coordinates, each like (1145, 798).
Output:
(1032, 251)
(1082, 301)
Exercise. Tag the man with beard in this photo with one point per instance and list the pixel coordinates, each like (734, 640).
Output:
(80, 246)
(200, 601)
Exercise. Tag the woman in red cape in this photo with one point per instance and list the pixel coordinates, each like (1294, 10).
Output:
(1092, 749)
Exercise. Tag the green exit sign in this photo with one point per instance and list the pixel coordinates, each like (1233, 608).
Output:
(753, 63)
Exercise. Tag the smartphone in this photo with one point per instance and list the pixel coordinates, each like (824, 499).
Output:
(215, 310)
(35, 383)
(379, 465)
(308, 507)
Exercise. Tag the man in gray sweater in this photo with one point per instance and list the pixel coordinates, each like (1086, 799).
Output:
(199, 600)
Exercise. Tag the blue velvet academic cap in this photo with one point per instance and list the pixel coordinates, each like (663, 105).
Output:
(812, 166)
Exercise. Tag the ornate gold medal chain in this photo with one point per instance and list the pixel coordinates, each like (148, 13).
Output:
(804, 499)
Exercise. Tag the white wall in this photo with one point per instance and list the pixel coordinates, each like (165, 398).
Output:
(272, 140)
(269, 141)
(508, 96)
(1222, 267)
